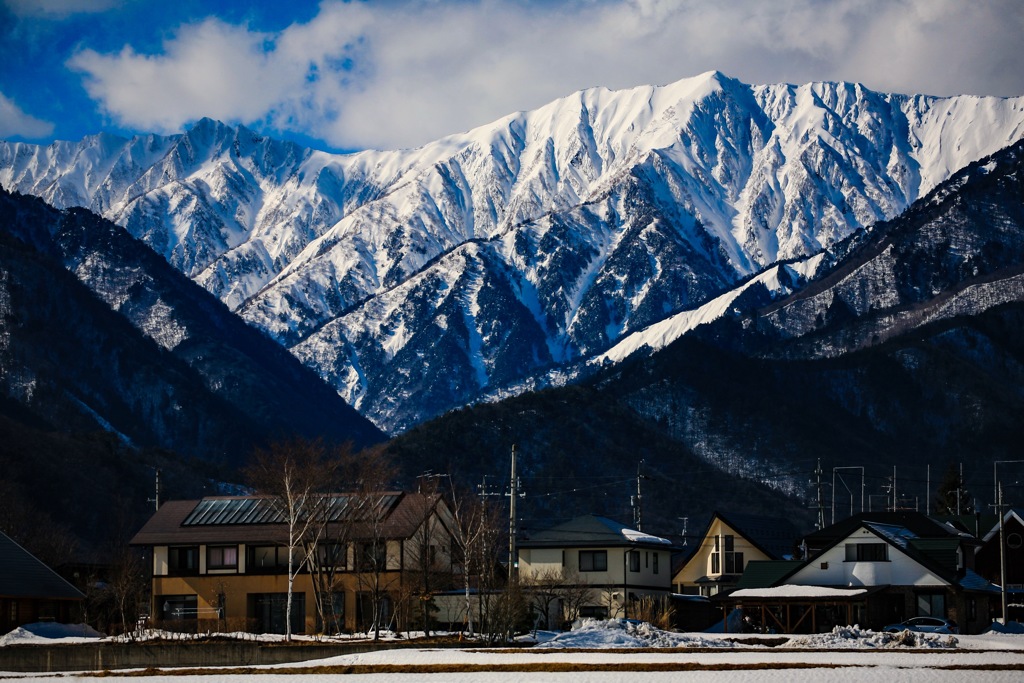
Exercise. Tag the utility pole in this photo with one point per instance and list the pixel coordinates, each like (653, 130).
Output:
(637, 500)
(821, 505)
(156, 498)
(1002, 550)
(513, 494)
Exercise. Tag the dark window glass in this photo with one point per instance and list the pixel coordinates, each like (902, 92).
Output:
(593, 560)
(634, 561)
(177, 607)
(183, 560)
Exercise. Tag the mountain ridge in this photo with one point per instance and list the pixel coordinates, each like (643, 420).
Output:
(597, 214)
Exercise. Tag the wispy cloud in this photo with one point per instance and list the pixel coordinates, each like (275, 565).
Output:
(57, 8)
(402, 73)
(16, 123)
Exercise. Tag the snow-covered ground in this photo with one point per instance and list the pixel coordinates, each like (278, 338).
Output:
(606, 652)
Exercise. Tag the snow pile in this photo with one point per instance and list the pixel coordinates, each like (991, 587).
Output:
(623, 633)
(47, 632)
(1012, 628)
(853, 637)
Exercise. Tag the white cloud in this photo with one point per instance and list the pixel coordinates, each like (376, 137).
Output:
(403, 73)
(16, 123)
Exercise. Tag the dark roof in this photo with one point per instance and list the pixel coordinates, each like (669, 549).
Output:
(765, 573)
(917, 523)
(23, 576)
(591, 531)
(776, 537)
(253, 519)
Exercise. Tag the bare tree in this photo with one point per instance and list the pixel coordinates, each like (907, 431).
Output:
(295, 476)
(475, 528)
(422, 557)
(370, 476)
(576, 594)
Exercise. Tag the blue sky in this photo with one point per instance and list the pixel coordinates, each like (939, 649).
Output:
(399, 73)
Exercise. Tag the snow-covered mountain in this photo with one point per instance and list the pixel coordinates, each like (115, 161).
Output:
(418, 280)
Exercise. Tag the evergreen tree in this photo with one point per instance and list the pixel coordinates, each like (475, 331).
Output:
(952, 497)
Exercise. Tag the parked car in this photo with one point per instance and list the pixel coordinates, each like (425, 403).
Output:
(924, 625)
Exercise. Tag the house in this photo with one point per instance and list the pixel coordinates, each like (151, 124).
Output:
(30, 591)
(226, 559)
(872, 569)
(727, 545)
(987, 560)
(604, 568)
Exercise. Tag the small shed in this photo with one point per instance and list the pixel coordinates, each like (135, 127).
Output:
(30, 591)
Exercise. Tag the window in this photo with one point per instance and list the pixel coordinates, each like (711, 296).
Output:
(867, 552)
(222, 557)
(593, 612)
(655, 563)
(183, 560)
(332, 555)
(733, 563)
(266, 559)
(634, 561)
(177, 607)
(373, 555)
(931, 605)
(730, 542)
(593, 560)
(728, 562)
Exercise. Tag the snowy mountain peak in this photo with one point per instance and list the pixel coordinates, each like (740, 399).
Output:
(591, 217)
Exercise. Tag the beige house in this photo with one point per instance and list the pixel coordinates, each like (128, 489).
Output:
(725, 548)
(225, 560)
(608, 566)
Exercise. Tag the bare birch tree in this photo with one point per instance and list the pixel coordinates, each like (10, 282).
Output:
(295, 476)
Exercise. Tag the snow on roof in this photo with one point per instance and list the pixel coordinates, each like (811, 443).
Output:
(640, 537)
(793, 591)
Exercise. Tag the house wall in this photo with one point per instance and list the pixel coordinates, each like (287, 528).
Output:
(700, 565)
(987, 559)
(612, 586)
(237, 585)
(832, 569)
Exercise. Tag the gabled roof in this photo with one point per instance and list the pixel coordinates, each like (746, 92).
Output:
(917, 523)
(253, 519)
(1011, 514)
(776, 537)
(766, 573)
(937, 555)
(24, 576)
(591, 531)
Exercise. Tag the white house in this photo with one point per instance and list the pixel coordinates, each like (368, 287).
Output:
(611, 566)
(874, 572)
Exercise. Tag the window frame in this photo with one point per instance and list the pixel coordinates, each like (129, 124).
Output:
(867, 552)
(222, 551)
(174, 564)
(592, 565)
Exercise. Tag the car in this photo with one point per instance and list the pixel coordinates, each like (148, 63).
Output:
(924, 625)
